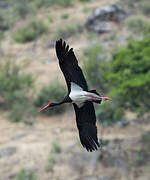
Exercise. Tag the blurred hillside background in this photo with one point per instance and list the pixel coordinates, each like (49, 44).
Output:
(111, 39)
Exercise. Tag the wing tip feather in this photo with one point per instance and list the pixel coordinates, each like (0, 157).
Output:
(62, 46)
(88, 137)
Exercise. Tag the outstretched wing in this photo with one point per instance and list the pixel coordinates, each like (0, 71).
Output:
(69, 65)
(86, 123)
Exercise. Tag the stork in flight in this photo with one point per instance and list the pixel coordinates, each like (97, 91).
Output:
(79, 95)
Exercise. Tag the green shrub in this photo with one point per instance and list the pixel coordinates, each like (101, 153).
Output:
(56, 148)
(110, 113)
(131, 4)
(13, 84)
(145, 142)
(53, 156)
(7, 18)
(125, 78)
(87, 10)
(141, 157)
(50, 18)
(96, 67)
(51, 162)
(68, 31)
(14, 92)
(23, 111)
(85, 0)
(48, 3)
(23, 8)
(1, 35)
(129, 75)
(24, 174)
(137, 24)
(53, 92)
(63, 3)
(30, 31)
(92, 35)
(145, 7)
(4, 23)
(65, 16)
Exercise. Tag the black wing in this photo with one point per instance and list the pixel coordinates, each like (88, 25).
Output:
(86, 123)
(69, 65)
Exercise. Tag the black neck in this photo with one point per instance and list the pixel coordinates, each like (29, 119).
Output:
(65, 100)
(56, 103)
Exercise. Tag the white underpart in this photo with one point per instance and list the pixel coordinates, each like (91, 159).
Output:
(79, 96)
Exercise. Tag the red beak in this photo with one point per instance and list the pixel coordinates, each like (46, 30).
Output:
(106, 99)
(44, 108)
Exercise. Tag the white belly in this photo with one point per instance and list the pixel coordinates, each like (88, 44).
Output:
(79, 96)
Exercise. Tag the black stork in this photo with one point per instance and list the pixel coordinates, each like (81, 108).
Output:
(79, 95)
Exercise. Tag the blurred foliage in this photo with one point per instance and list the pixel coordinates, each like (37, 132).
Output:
(50, 18)
(48, 3)
(51, 162)
(65, 16)
(137, 24)
(125, 78)
(69, 30)
(84, 0)
(27, 5)
(110, 113)
(144, 7)
(129, 3)
(23, 8)
(13, 83)
(1, 35)
(7, 18)
(24, 174)
(30, 31)
(141, 156)
(96, 67)
(4, 23)
(56, 148)
(137, 5)
(53, 92)
(25, 112)
(88, 10)
(14, 91)
(53, 156)
(92, 35)
(145, 141)
(130, 72)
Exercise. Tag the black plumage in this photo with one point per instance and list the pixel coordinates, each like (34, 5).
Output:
(86, 123)
(79, 95)
(85, 115)
(69, 65)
